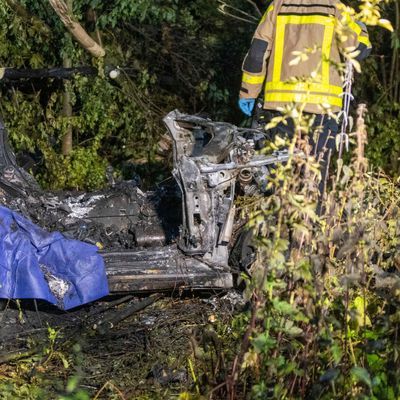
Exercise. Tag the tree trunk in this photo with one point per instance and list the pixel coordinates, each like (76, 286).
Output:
(67, 105)
(76, 29)
(67, 114)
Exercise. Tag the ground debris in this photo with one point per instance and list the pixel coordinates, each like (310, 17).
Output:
(115, 317)
(145, 353)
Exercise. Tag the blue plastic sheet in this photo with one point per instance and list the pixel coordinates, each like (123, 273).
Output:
(35, 264)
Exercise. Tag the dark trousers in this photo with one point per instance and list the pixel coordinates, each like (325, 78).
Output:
(322, 138)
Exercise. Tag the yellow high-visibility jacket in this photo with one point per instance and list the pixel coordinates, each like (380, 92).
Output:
(305, 27)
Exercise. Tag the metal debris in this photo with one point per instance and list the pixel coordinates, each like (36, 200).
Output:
(58, 286)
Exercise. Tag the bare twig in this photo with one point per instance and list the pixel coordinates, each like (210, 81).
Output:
(18, 355)
(115, 318)
(112, 386)
(361, 134)
(222, 8)
(112, 304)
(224, 5)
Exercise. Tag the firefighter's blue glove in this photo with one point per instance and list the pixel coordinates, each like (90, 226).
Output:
(247, 105)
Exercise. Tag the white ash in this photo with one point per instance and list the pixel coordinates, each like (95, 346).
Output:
(79, 208)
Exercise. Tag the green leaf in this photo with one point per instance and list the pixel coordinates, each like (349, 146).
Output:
(330, 375)
(360, 374)
(72, 384)
(263, 343)
(284, 307)
(362, 317)
(384, 23)
(337, 353)
(292, 330)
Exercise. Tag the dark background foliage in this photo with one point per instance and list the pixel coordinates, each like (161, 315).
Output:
(181, 54)
(184, 55)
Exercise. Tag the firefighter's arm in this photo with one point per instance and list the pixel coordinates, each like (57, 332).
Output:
(255, 63)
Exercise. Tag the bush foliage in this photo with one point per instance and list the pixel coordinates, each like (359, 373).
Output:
(325, 289)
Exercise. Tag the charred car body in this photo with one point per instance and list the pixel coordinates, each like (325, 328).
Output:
(186, 234)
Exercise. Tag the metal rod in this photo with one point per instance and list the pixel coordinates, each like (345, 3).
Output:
(210, 168)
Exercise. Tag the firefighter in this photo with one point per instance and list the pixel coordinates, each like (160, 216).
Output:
(287, 29)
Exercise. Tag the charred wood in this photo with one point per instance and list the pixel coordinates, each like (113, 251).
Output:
(16, 74)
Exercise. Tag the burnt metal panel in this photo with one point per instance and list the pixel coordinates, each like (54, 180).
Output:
(162, 269)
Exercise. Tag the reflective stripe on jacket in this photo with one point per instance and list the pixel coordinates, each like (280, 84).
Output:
(307, 30)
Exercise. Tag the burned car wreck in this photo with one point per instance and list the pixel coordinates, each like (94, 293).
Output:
(186, 234)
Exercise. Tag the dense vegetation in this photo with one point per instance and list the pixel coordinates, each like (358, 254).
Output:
(184, 55)
(323, 318)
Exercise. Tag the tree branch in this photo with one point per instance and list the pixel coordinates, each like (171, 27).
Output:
(76, 29)
(257, 10)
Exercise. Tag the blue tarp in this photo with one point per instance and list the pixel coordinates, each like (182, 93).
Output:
(35, 264)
